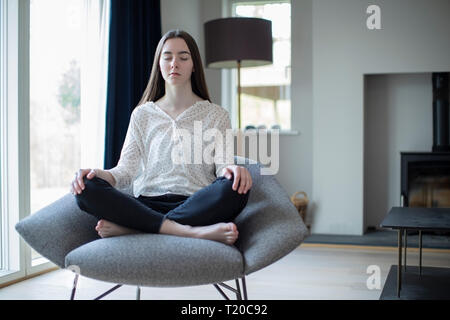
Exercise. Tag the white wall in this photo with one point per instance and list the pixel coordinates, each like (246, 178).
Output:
(296, 152)
(414, 38)
(183, 15)
(190, 15)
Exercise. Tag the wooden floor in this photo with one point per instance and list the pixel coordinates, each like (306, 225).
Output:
(312, 272)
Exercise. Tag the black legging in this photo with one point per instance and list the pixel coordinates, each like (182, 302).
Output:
(217, 202)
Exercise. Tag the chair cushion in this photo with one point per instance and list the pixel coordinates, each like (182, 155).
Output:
(157, 260)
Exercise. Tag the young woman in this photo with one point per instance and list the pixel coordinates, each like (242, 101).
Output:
(186, 199)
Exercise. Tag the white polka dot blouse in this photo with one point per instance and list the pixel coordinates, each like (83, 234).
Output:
(163, 155)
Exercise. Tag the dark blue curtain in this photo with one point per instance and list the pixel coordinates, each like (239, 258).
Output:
(135, 30)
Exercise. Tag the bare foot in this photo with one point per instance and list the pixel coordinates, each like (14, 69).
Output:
(222, 232)
(108, 229)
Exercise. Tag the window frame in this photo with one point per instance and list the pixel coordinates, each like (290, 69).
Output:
(3, 88)
(15, 164)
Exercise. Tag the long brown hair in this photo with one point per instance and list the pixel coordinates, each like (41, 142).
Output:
(156, 87)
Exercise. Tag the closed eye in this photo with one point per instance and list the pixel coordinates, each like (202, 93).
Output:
(170, 58)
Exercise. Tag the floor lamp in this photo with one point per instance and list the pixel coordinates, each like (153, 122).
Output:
(238, 43)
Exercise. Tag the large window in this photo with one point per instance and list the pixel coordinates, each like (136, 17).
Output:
(54, 66)
(55, 58)
(266, 90)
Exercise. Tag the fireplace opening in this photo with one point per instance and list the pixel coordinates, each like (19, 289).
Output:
(425, 179)
(429, 185)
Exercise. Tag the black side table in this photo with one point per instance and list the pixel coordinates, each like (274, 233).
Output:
(413, 218)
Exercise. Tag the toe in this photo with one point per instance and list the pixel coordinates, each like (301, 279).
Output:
(232, 227)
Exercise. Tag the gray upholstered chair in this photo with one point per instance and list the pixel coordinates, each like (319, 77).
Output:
(269, 228)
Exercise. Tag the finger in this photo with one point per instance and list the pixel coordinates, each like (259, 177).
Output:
(91, 174)
(249, 181)
(242, 182)
(76, 187)
(79, 179)
(227, 174)
(81, 183)
(237, 178)
(80, 189)
(81, 175)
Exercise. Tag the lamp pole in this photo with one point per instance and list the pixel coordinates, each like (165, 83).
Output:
(239, 92)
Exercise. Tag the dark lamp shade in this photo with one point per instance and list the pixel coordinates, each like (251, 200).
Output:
(228, 40)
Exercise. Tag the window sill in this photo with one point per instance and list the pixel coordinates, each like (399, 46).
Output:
(267, 131)
(289, 133)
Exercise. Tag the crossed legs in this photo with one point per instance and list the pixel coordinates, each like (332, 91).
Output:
(207, 214)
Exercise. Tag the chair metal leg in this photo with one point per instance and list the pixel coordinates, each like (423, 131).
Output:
(108, 292)
(420, 252)
(406, 246)
(74, 287)
(239, 293)
(138, 293)
(221, 292)
(399, 267)
(244, 288)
